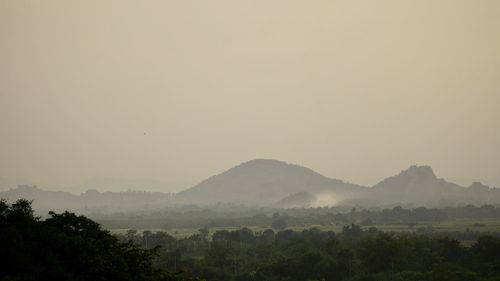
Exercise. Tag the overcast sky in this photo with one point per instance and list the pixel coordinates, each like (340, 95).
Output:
(177, 91)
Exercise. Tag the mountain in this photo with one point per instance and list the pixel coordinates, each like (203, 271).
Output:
(89, 201)
(42, 199)
(120, 185)
(272, 183)
(264, 182)
(418, 185)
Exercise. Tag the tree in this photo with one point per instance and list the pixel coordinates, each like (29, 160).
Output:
(279, 223)
(203, 233)
(146, 236)
(378, 254)
(68, 247)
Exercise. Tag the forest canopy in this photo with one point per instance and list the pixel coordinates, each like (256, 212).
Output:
(68, 247)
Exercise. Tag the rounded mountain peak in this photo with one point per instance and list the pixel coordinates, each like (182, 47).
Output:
(262, 161)
(422, 176)
(423, 172)
(271, 167)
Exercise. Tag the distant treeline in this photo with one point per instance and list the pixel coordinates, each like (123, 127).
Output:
(66, 246)
(239, 216)
(353, 254)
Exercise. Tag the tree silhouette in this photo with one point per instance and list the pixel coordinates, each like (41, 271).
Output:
(68, 247)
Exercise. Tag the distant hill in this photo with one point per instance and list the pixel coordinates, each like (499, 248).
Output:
(263, 182)
(419, 186)
(272, 183)
(121, 185)
(279, 184)
(43, 199)
(89, 201)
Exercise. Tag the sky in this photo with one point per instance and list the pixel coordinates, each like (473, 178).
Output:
(177, 91)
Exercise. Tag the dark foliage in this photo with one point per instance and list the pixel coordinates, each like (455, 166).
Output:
(227, 215)
(68, 247)
(353, 254)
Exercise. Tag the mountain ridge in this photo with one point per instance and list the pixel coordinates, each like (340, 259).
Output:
(272, 179)
(268, 182)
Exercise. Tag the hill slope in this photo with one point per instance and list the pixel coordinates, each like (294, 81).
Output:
(419, 186)
(90, 201)
(264, 182)
(274, 183)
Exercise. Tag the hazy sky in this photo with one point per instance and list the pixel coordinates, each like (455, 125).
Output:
(179, 90)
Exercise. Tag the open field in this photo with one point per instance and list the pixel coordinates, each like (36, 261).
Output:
(445, 226)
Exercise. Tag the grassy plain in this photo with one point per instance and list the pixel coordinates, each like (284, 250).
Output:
(445, 226)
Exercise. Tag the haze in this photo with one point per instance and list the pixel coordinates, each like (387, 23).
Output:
(177, 91)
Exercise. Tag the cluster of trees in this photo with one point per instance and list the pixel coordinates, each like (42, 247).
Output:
(69, 247)
(238, 216)
(354, 254)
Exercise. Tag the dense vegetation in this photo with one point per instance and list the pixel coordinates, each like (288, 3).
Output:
(353, 254)
(68, 247)
(227, 215)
